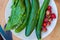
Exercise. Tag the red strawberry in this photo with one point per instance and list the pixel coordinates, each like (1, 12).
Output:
(44, 29)
(49, 8)
(48, 23)
(44, 24)
(53, 16)
(46, 20)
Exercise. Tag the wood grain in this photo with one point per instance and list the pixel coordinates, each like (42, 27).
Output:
(55, 35)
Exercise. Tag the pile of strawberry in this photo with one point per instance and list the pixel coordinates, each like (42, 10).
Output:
(48, 18)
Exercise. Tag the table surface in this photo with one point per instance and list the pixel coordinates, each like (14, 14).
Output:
(55, 35)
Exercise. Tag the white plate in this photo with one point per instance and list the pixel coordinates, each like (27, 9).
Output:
(33, 36)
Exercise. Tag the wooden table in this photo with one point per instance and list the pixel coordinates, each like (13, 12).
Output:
(55, 35)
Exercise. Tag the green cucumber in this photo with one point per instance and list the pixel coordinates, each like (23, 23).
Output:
(33, 17)
(41, 17)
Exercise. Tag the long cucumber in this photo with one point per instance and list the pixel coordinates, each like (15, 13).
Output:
(33, 17)
(41, 17)
(28, 8)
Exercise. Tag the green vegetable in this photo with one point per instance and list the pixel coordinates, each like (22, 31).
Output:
(32, 19)
(41, 17)
(28, 8)
(16, 15)
(15, 2)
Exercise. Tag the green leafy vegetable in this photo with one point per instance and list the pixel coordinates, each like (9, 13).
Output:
(27, 12)
(16, 15)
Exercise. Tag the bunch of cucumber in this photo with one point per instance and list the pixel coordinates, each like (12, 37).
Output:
(26, 14)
